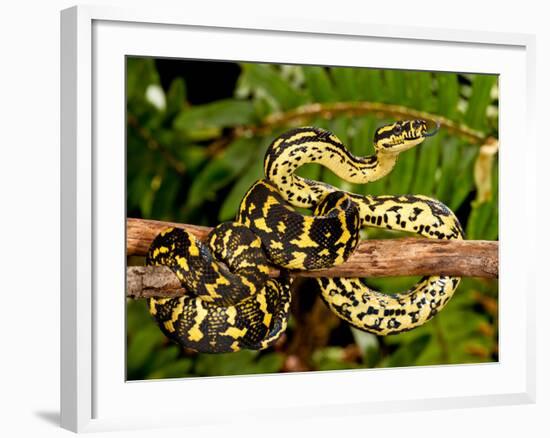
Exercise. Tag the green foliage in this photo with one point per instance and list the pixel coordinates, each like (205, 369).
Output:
(193, 163)
(221, 170)
(206, 121)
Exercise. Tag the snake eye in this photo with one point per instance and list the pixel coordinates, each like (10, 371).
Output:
(397, 130)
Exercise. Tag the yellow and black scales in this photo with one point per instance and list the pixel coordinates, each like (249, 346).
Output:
(233, 304)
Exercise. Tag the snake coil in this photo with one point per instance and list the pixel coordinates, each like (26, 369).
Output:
(233, 304)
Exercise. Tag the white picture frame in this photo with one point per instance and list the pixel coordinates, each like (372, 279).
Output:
(94, 393)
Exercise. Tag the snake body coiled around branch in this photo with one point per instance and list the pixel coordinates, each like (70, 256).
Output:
(238, 306)
(230, 307)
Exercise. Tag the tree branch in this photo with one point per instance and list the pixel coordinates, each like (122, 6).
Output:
(372, 258)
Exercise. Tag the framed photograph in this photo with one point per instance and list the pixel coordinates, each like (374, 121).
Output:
(174, 124)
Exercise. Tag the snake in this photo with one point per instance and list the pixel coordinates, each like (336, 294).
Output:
(232, 303)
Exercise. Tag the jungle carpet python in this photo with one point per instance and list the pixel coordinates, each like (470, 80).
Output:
(233, 304)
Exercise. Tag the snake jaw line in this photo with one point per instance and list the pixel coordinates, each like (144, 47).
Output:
(401, 136)
(399, 146)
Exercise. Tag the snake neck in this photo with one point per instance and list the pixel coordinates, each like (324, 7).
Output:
(283, 159)
(379, 165)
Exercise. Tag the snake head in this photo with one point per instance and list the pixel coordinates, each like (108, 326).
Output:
(403, 135)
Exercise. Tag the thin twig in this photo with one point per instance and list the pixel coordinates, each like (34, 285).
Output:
(305, 113)
(382, 110)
